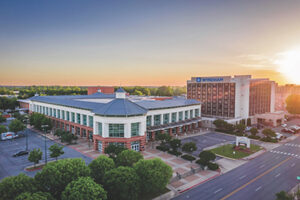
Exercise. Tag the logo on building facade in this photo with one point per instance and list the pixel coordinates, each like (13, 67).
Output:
(216, 79)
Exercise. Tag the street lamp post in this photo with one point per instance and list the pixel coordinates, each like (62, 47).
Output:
(26, 121)
(44, 128)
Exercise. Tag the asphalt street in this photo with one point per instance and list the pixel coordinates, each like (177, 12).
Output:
(260, 178)
(11, 166)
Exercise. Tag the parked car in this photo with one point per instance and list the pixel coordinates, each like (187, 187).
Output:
(295, 128)
(287, 130)
(8, 136)
(20, 153)
(284, 125)
(279, 136)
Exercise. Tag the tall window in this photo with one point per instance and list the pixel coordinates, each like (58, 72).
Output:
(166, 118)
(58, 113)
(73, 117)
(50, 112)
(91, 121)
(157, 120)
(68, 115)
(197, 113)
(116, 130)
(174, 117)
(84, 120)
(180, 116)
(78, 118)
(99, 128)
(135, 129)
(149, 119)
(191, 113)
(63, 114)
(54, 112)
(186, 114)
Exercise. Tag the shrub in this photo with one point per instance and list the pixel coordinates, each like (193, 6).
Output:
(202, 163)
(268, 139)
(207, 156)
(254, 137)
(175, 153)
(188, 157)
(189, 147)
(212, 166)
(163, 148)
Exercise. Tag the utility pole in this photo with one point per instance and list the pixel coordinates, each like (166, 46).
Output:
(26, 121)
(44, 128)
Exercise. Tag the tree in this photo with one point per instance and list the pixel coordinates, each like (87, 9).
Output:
(35, 196)
(12, 186)
(207, 156)
(253, 131)
(293, 104)
(16, 126)
(2, 119)
(220, 124)
(56, 151)
(154, 175)
(82, 189)
(113, 150)
(55, 176)
(269, 133)
(100, 166)
(248, 122)
(3, 129)
(282, 195)
(122, 183)
(175, 144)
(189, 147)
(68, 137)
(35, 156)
(128, 158)
(163, 138)
(240, 128)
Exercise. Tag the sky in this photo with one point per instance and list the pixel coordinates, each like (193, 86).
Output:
(128, 42)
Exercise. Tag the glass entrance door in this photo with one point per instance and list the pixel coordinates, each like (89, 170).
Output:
(135, 146)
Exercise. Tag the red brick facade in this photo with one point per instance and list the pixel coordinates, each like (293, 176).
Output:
(103, 89)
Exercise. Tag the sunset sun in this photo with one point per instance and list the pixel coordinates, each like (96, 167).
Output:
(289, 65)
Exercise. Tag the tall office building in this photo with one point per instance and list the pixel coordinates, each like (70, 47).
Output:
(238, 97)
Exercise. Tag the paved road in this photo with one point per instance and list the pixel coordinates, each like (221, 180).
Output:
(260, 178)
(11, 166)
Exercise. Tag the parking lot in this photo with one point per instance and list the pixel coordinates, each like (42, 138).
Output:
(208, 140)
(11, 166)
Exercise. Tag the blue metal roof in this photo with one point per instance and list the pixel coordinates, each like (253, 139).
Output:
(115, 107)
(120, 107)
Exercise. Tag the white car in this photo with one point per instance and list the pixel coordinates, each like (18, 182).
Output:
(284, 125)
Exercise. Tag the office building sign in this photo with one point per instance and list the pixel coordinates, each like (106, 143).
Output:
(209, 79)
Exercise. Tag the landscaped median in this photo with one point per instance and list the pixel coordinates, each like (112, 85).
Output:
(230, 151)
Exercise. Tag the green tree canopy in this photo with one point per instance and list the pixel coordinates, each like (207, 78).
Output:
(16, 126)
(175, 144)
(56, 151)
(2, 119)
(84, 188)
(189, 147)
(3, 129)
(240, 128)
(11, 187)
(282, 195)
(122, 183)
(128, 158)
(253, 131)
(163, 138)
(293, 104)
(154, 175)
(35, 196)
(207, 156)
(269, 132)
(100, 166)
(35, 156)
(55, 176)
(113, 150)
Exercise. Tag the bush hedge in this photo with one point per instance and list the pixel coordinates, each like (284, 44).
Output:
(212, 166)
(268, 139)
(163, 148)
(188, 157)
(256, 137)
(201, 162)
(175, 153)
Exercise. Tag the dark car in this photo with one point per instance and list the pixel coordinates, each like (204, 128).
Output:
(20, 153)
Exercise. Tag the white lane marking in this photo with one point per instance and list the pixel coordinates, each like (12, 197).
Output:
(277, 157)
(218, 190)
(289, 154)
(293, 165)
(261, 166)
(292, 154)
(258, 188)
(277, 175)
(284, 153)
(242, 177)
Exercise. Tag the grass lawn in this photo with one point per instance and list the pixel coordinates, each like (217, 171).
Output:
(227, 151)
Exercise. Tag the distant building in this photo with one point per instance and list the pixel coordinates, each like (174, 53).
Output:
(117, 118)
(102, 89)
(233, 98)
(282, 92)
